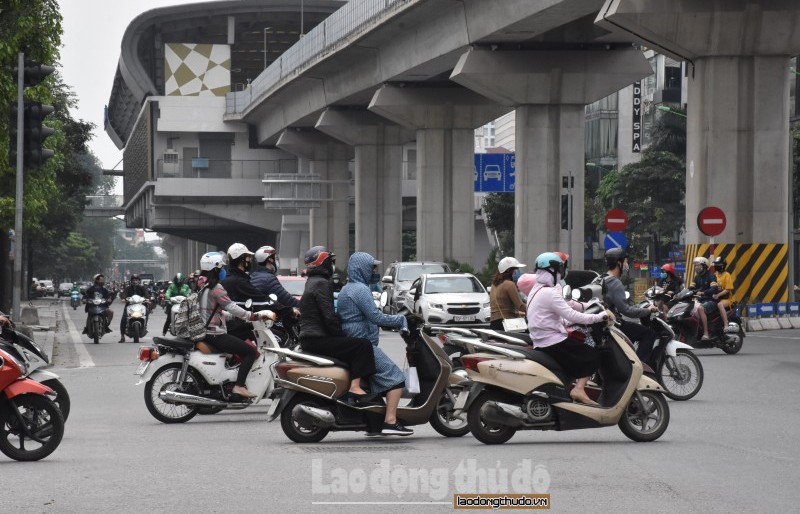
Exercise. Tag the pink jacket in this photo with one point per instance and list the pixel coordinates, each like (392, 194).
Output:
(547, 311)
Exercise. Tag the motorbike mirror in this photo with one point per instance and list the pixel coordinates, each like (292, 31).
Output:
(567, 292)
(384, 300)
(387, 279)
(576, 294)
(248, 303)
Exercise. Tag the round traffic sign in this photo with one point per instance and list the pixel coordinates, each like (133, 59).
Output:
(711, 221)
(616, 220)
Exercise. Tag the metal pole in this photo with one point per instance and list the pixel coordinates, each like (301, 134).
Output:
(265, 48)
(569, 217)
(16, 294)
(302, 24)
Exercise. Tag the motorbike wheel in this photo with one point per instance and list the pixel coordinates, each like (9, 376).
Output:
(136, 330)
(31, 427)
(487, 434)
(732, 348)
(292, 428)
(442, 419)
(648, 422)
(165, 379)
(692, 371)
(96, 327)
(62, 396)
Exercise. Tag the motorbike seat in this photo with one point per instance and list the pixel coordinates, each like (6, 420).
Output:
(539, 357)
(178, 343)
(336, 362)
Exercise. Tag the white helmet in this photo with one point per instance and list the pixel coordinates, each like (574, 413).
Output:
(507, 263)
(700, 260)
(264, 253)
(212, 260)
(236, 250)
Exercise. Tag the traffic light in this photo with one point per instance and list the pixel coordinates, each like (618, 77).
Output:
(34, 131)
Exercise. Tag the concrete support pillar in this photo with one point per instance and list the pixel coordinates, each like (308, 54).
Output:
(328, 158)
(378, 177)
(444, 119)
(549, 90)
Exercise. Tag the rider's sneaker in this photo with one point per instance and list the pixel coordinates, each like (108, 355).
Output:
(122, 340)
(396, 429)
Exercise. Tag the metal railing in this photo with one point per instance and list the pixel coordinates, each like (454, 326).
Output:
(353, 18)
(201, 167)
(293, 191)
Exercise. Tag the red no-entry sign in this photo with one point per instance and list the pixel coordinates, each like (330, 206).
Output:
(616, 220)
(711, 221)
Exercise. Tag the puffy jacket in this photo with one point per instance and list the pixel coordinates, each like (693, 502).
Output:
(173, 290)
(267, 283)
(318, 318)
(240, 289)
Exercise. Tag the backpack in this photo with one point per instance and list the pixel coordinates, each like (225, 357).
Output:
(189, 321)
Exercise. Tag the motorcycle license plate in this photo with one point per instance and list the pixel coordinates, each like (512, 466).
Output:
(463, 318)
(142, 367)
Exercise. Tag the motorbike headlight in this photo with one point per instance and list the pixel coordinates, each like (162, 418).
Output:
(436, 306)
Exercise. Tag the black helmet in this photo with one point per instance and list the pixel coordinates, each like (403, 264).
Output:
(614, 257)
(720, 264)
(136, 277)
(317, 255)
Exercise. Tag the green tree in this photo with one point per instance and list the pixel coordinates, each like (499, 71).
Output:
(499, 210)
(669, 134)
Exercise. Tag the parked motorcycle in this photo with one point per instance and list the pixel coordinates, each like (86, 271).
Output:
(136, 323)
(31, 424)
(98, 321)
(310, 406)
(526, 389)
(36, 360)
(183, 378)
(74, 299)
(690, 331)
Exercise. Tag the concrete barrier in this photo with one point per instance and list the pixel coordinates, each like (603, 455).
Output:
(770, 324)
(754, 325)
(784, 323)
(29, 315)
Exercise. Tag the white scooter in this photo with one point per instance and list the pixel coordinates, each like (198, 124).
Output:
(183, 378)
(136, 324)
(174, 307)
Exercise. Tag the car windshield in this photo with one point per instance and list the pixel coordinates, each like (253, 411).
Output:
(294, 287)
(453, 285)
(411, 272)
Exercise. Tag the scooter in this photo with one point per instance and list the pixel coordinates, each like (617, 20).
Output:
(526, 389)
(174, 305)
(311, 404)
(689, 329)
(31, 425)
(136, 323)
(183, 378)
(98, 321)
(74, 299)
(36, 360)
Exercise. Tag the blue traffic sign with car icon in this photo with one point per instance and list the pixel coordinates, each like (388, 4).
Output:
(494, 172)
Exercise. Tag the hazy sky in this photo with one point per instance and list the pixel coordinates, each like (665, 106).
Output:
(93, 32)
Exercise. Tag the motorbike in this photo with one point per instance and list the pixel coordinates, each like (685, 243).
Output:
(98, 321)
(526, 389)
(310, 405)
(136, 323)
(31, 424)
(689, 330)
(74, 299)
(36, 360)
(182, 378)
(174, 305)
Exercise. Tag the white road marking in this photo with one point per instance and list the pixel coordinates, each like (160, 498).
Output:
(83, 354)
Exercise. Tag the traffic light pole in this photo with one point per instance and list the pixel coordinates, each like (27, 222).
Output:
(17, 291)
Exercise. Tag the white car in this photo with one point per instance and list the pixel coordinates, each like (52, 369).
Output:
(450, 298)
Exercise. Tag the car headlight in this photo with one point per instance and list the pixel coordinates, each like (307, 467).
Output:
(436, 306)
(485, 305)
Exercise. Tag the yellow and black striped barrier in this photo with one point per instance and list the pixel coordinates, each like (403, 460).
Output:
(760, 271)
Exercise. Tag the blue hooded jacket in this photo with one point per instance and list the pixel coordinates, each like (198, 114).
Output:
(360, 317)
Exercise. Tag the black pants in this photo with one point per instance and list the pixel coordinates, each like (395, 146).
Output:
(355, 351)
(169, 320)
(227, 343)
(642, 334)
(496, 324)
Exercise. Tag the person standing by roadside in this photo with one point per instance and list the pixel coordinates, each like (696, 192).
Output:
(504, 298)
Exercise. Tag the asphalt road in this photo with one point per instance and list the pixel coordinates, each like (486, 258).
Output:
(733, 448)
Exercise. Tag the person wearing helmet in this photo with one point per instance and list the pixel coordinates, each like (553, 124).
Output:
(361, 318)
(178, 287)
(725, 285)
(504, 299)
(617, 263)
(705, 284)
(240, 289)
(336, 282)
(547, 311)
(135, 288)
(670, 281)
(264, 278)
(213, 299)
(321, 329)
(99, 288)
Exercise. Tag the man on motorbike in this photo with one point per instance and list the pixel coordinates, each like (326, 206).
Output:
(361, 318)
(240, 289)
(705, 283)
(135, 288)
(265, 280)
(178, 287)
(99, 289)
(617, 263)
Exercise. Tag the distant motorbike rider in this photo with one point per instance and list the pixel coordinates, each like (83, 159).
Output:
(135, 288)
(617, 263)
(192, 282)
(670, 281)
(265, 280)
(725, 286)
(705, 284)
(178, 287)
(99, 289)
(237, 284)
(336, 281)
